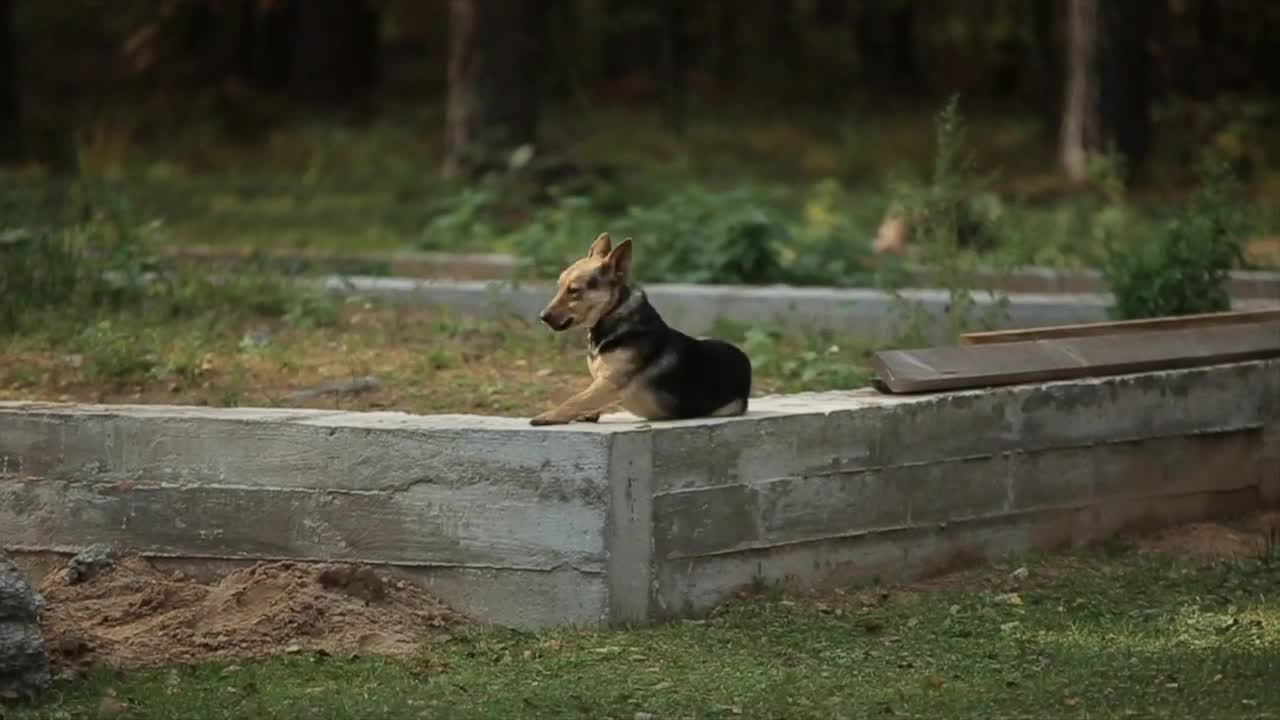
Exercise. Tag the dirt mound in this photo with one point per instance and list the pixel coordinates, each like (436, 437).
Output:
(1214, 541)
(133, 615)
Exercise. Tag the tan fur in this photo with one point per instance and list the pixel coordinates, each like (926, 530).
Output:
(580, 305)
(574, 300)
(586, 405)
(733, 409)
(639, 399)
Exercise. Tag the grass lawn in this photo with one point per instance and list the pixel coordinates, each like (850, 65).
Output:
(821, 183)
(1147, 629)
(424, 360)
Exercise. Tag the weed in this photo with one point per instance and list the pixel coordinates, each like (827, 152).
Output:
(113, 354)
(1184, 268)
(310, 309)
(949, 217)
(438, 359)
(38, 271)
(692, 234)
(465, 219)
(1269, 555)
(815, 365)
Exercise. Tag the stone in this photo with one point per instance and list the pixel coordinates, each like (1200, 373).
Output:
(88, 564)
(24, 664)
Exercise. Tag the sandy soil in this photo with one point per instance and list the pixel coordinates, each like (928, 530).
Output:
(132, 615)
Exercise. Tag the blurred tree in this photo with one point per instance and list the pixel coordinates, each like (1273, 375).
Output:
(726, 56)
(1106, 107)
(1045, 63)
(262, 54)
(885, 34)
(672, 62)
(334, 49)
(317, 50)
(495, 50)
(11, 145)
(627, 47)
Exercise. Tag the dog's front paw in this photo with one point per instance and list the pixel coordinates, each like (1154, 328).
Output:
(546, 419)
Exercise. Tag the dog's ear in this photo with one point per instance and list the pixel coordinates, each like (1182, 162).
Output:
(601, 247)
(620, 258)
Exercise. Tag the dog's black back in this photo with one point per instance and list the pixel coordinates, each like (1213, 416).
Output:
(684, 377)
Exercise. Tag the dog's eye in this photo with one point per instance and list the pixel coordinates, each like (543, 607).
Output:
(575, 290)
(593, 282)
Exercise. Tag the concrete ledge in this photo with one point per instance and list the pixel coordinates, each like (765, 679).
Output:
(627, 522)
(696, 309)
(1241, 284)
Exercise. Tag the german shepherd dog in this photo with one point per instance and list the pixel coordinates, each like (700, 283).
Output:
(636, 359)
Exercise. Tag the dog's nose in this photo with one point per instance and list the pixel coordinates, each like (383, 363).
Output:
(545, 317)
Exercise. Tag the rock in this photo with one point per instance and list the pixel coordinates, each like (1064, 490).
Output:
(18, 600)
(24, 666)
(86, 565)
(1019, 575)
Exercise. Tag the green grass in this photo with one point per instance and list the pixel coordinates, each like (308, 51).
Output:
(821, 182)
(1093, 635)
(258, 348)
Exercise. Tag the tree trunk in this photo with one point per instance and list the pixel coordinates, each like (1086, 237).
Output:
(263, 45)
(1106, 106)
(11, 145)
(495, 49)
(1045, 64)
(886, 43)
(672, 62)
(1209, 76)
(726, 56)
(334, 49)
(627, 47)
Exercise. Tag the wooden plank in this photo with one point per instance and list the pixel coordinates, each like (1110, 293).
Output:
(1179, 322)
(975, 366)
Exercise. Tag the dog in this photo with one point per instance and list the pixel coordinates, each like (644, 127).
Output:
(636, 359)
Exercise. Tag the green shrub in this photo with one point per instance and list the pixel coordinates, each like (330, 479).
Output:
(38, 270)
(104, 263)
(692, 234)
(825, 366)
(114, 354)
(951, 216)
(1183, 269)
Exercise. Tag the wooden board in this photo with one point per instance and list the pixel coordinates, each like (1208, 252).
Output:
(1180, 322)
(1011, 363)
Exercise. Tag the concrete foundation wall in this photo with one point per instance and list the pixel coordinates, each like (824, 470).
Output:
(469, 503)
(1241, 284)
(696, 309)
(627, 522)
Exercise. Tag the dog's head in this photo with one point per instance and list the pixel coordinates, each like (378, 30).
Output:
(588, 288)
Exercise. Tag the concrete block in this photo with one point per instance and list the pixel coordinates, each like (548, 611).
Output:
(290, 449)
(861, 430)
(562, 597)
(489, 527)
(729, 518)
(1269, 464)
(1053, 479)
(709, 520)
(626, 522)
(697, 309)
(629, 528)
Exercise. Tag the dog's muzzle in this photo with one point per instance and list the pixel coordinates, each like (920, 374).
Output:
(555, 323)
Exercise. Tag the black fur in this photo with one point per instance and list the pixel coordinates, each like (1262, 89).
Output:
(689, 377)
